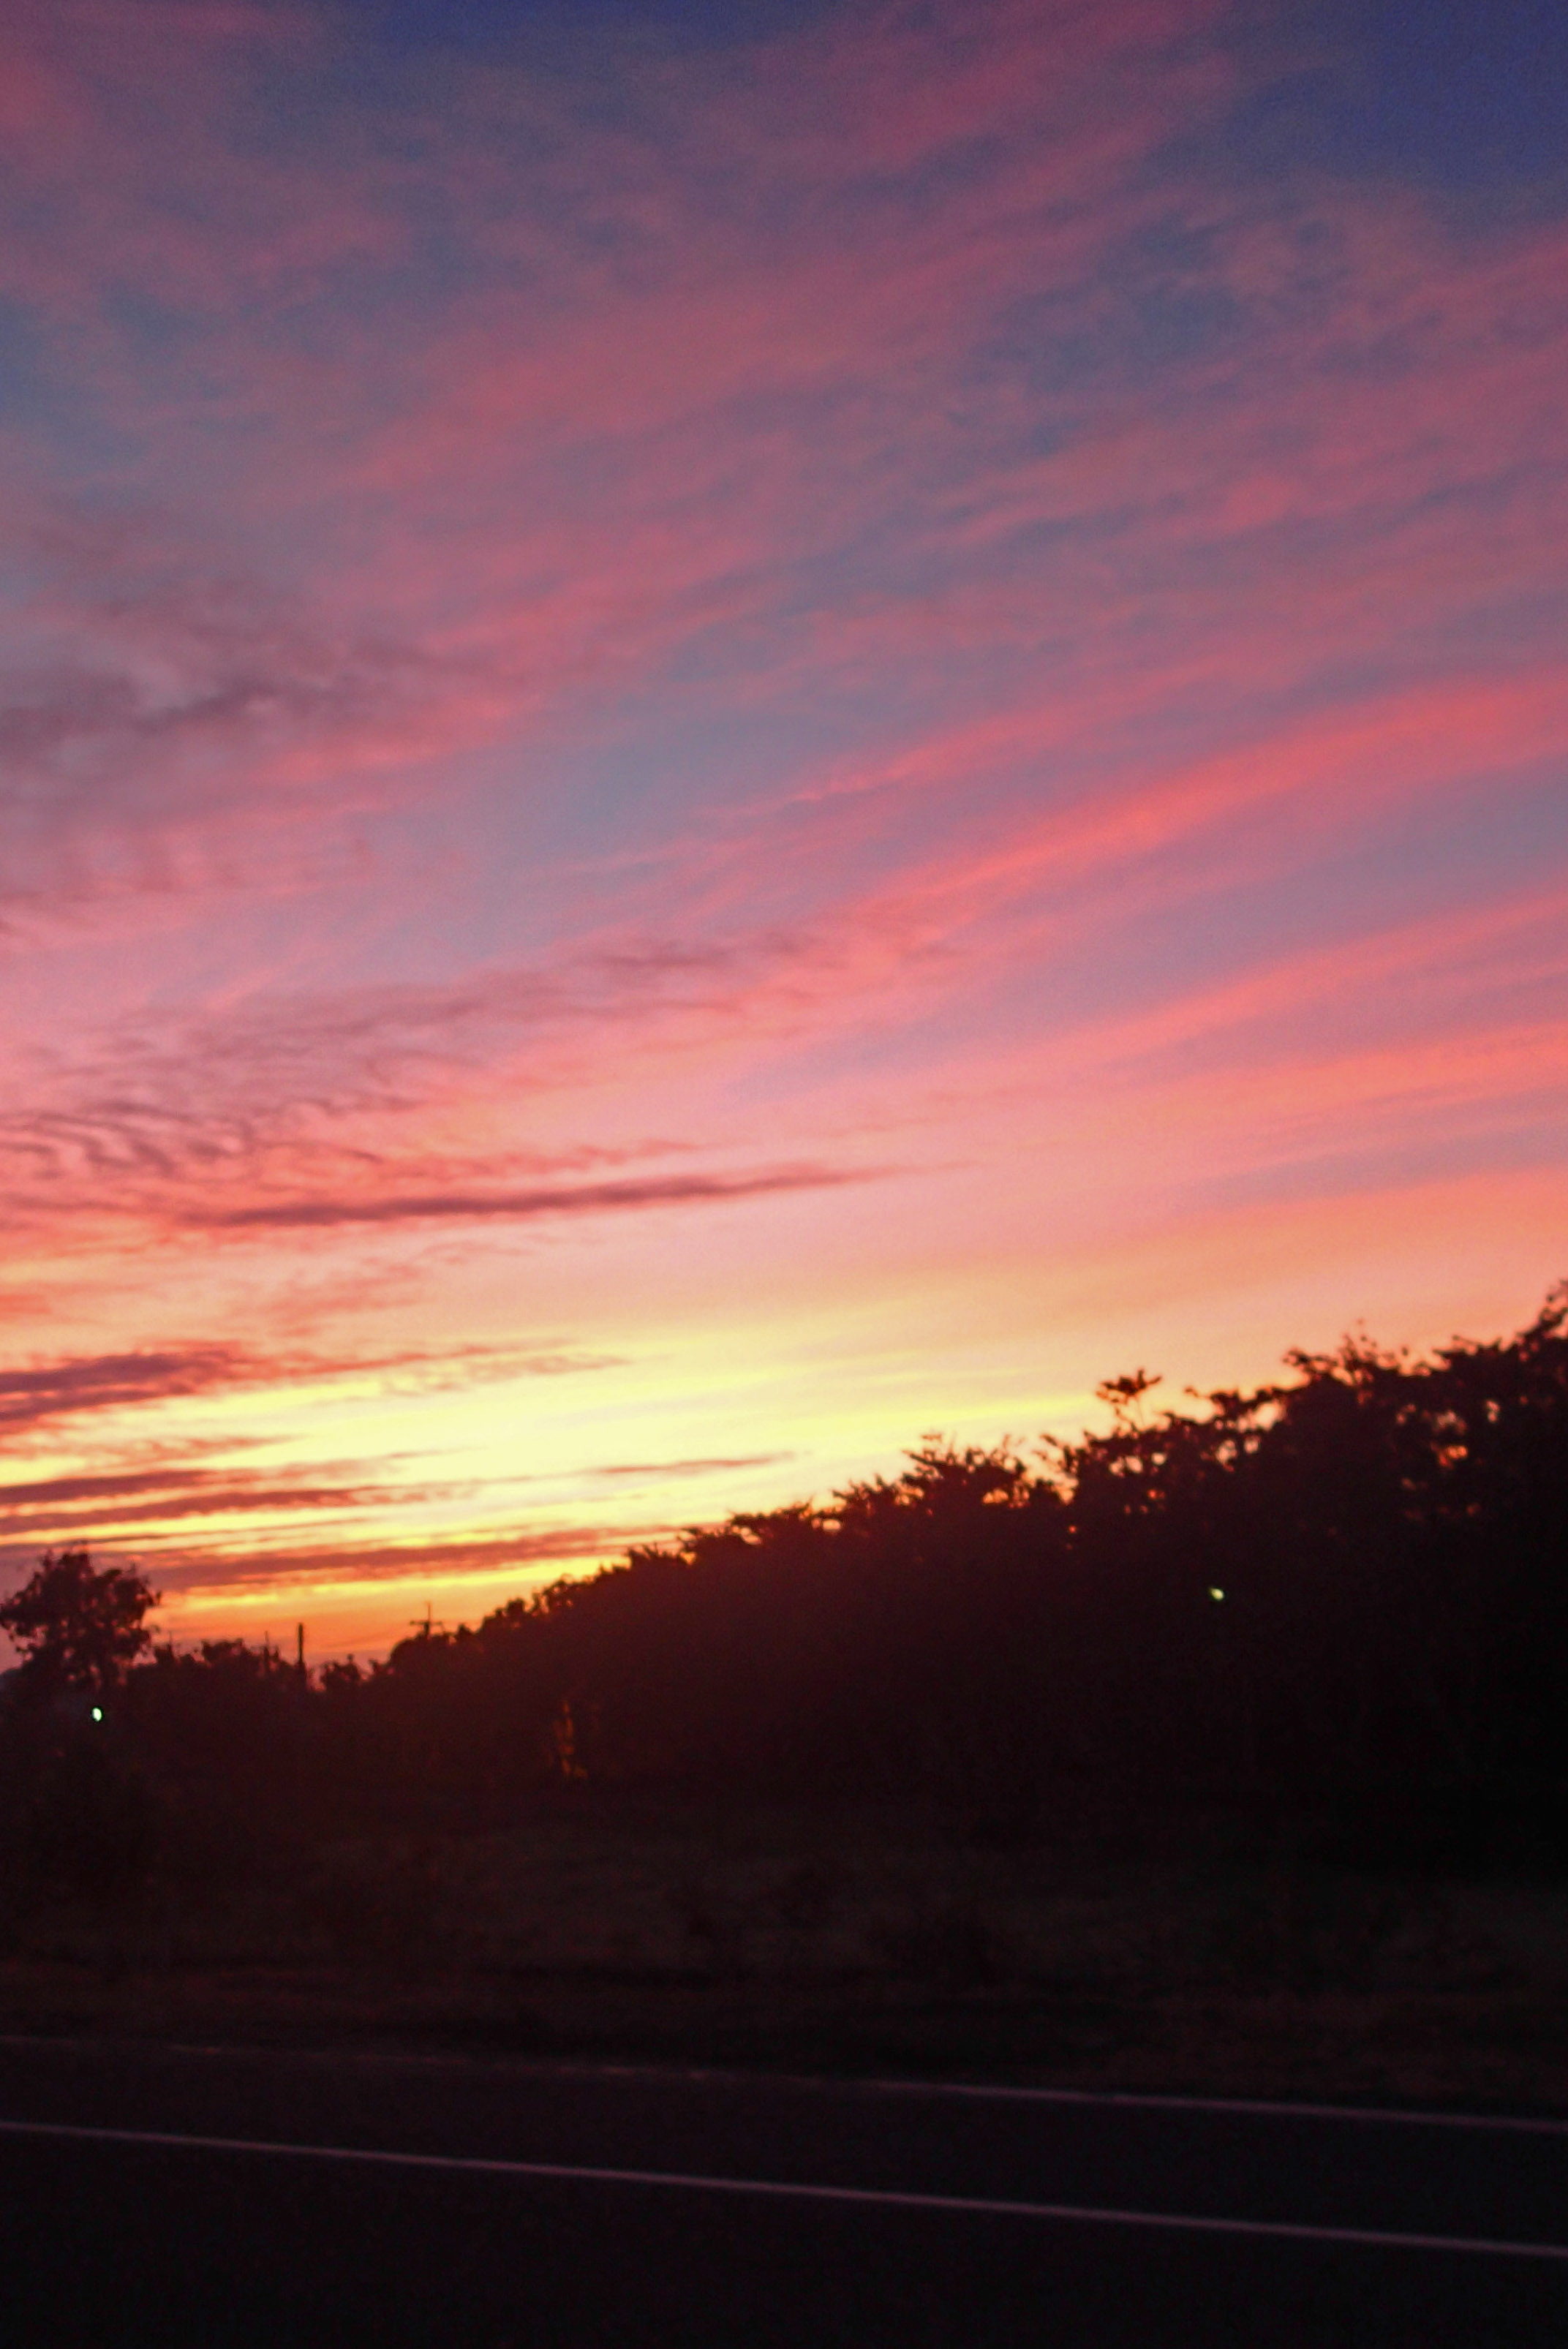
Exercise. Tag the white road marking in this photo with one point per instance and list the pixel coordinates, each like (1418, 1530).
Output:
(1126, 2099)
(1130, 2098)
(979, 2206)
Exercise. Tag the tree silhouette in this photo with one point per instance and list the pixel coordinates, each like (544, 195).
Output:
(1337, 1600)
(79, 1626)
(80, 1816)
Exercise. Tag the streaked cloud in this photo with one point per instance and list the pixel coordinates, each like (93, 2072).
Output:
(656, 1468)
(974, 593)
(34, 1393)
(576, 1199)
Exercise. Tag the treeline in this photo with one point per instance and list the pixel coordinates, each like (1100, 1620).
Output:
(1342, 1596)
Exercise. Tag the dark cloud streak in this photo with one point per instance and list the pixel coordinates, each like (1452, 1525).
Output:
(79, 1502)
(691, 1467)
(113, 1382)
(528, 1551)
(578, 1199)
(38, 1394)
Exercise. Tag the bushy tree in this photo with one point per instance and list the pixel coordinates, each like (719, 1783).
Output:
(80, 1817)
(78, 1626)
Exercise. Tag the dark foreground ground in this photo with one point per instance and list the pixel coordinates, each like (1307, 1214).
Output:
(708, 1997)
(283, 2234)
(851, 1943)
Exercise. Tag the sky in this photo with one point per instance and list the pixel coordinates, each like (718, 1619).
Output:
(727, 733)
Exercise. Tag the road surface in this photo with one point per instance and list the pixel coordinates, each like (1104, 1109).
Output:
(167, 2195)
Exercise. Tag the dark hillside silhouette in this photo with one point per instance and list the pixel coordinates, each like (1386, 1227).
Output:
(1342, 1599)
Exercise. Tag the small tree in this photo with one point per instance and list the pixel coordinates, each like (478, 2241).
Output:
(78, 1625)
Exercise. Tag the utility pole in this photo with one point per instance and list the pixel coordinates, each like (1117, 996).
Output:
(299, 1651)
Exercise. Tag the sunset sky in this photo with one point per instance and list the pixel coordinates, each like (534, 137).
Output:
(730, 731)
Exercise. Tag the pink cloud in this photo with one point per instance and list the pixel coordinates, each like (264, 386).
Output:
(570, 656)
